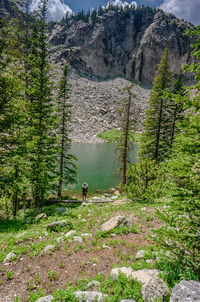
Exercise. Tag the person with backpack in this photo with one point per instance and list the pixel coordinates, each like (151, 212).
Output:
(84, 191)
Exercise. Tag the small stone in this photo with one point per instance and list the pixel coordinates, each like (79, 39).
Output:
(59, 239)
(48, 248)
(78, 239)
(86, 235)
(115, 222)
(70, 233)
(106, 247)
(93, 283)
(90, 296)
(9, 257)
(21, 234)
(40, 217)
(45, 299)
(140, 254)
(149, 261)
(54, 226)
(128, 300)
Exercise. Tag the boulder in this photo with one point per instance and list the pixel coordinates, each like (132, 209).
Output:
(60, 210)
(45, 299)
(155, 290)
(48, 248)
(140, 254)
(186, 291)
(117, 221)
(40, 217)
(54, 226)
(152, 287)
(9, 257)
(90, 296)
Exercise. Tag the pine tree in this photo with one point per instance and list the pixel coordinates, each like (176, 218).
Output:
(42, 141)
(12, 115)
(67, 167)
(154, 140)
(181, 233)
(124, 145)
(176, 109)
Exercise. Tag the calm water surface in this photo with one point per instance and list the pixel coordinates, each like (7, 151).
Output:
(97, 165)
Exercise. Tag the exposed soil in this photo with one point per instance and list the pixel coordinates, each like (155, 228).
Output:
(76, 260)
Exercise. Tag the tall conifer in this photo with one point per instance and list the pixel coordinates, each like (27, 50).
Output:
(67, 167)
(42, 114)
(155, 133)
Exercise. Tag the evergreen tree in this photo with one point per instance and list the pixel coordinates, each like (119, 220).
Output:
(180, 235)
(12, 116)
(154, 140)
(124, 145)
(67, 167)
(93, 15)
(176, 109)
(42, 141)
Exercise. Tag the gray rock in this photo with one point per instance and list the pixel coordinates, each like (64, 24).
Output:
(54, 226)
(128, 300)
(45, 299)
(127, 271)
(21, 234)
(9, 257)
(86, 235)
(155, 289)
(152, 286)
(48, 248)
(140, 254)
(60, 210)
(40, 217)
(70, 233)
(78, 239)
(90, 296)
(186, 291)
(149, 261)
(93, 283)
(117, 221)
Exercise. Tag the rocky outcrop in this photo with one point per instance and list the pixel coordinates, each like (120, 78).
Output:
(120, 44)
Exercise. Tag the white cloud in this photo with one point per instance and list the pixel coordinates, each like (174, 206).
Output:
(56, 9)
(122, 3)
(187, 9)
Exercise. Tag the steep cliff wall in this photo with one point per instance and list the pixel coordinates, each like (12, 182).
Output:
(119, 44)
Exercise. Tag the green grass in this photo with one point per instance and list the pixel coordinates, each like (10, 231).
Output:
(114, 135)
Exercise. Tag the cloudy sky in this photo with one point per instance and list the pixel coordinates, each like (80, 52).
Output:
(186, 9)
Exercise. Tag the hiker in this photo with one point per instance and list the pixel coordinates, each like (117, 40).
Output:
(84, 190)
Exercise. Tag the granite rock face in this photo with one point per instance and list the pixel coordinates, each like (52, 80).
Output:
(117, 44)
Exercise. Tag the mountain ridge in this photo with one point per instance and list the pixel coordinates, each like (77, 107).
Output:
(119, 43)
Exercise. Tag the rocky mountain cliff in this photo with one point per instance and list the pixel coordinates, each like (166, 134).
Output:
(122, 44)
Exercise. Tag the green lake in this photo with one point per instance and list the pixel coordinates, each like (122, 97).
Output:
(97, 165)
